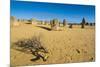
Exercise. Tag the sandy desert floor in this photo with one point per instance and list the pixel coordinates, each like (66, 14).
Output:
(67, 46)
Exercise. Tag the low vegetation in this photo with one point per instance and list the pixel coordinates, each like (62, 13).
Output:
(83, 23)
(33, 46)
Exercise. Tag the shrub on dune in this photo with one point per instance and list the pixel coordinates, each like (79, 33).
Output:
(83, 23)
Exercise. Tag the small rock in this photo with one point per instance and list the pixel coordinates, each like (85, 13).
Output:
(91, 59)
(78, 51)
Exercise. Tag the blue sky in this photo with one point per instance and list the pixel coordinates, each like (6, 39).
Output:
(48, 11)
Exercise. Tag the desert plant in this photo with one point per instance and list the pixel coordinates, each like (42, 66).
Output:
(18, 20)
(54, 24)
(94, 23)
(64, 22)
(83, 23)
(91, 24)
(34, 46)
(86, 23)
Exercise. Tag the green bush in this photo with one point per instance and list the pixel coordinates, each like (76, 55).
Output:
(83, 23)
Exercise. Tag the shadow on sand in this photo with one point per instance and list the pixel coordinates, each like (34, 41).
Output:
(44, 28)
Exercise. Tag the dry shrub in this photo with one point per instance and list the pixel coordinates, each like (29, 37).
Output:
(33, 46)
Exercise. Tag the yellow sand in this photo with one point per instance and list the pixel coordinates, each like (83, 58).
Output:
(66, 46)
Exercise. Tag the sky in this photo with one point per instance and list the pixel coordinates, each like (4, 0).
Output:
(47, 11)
